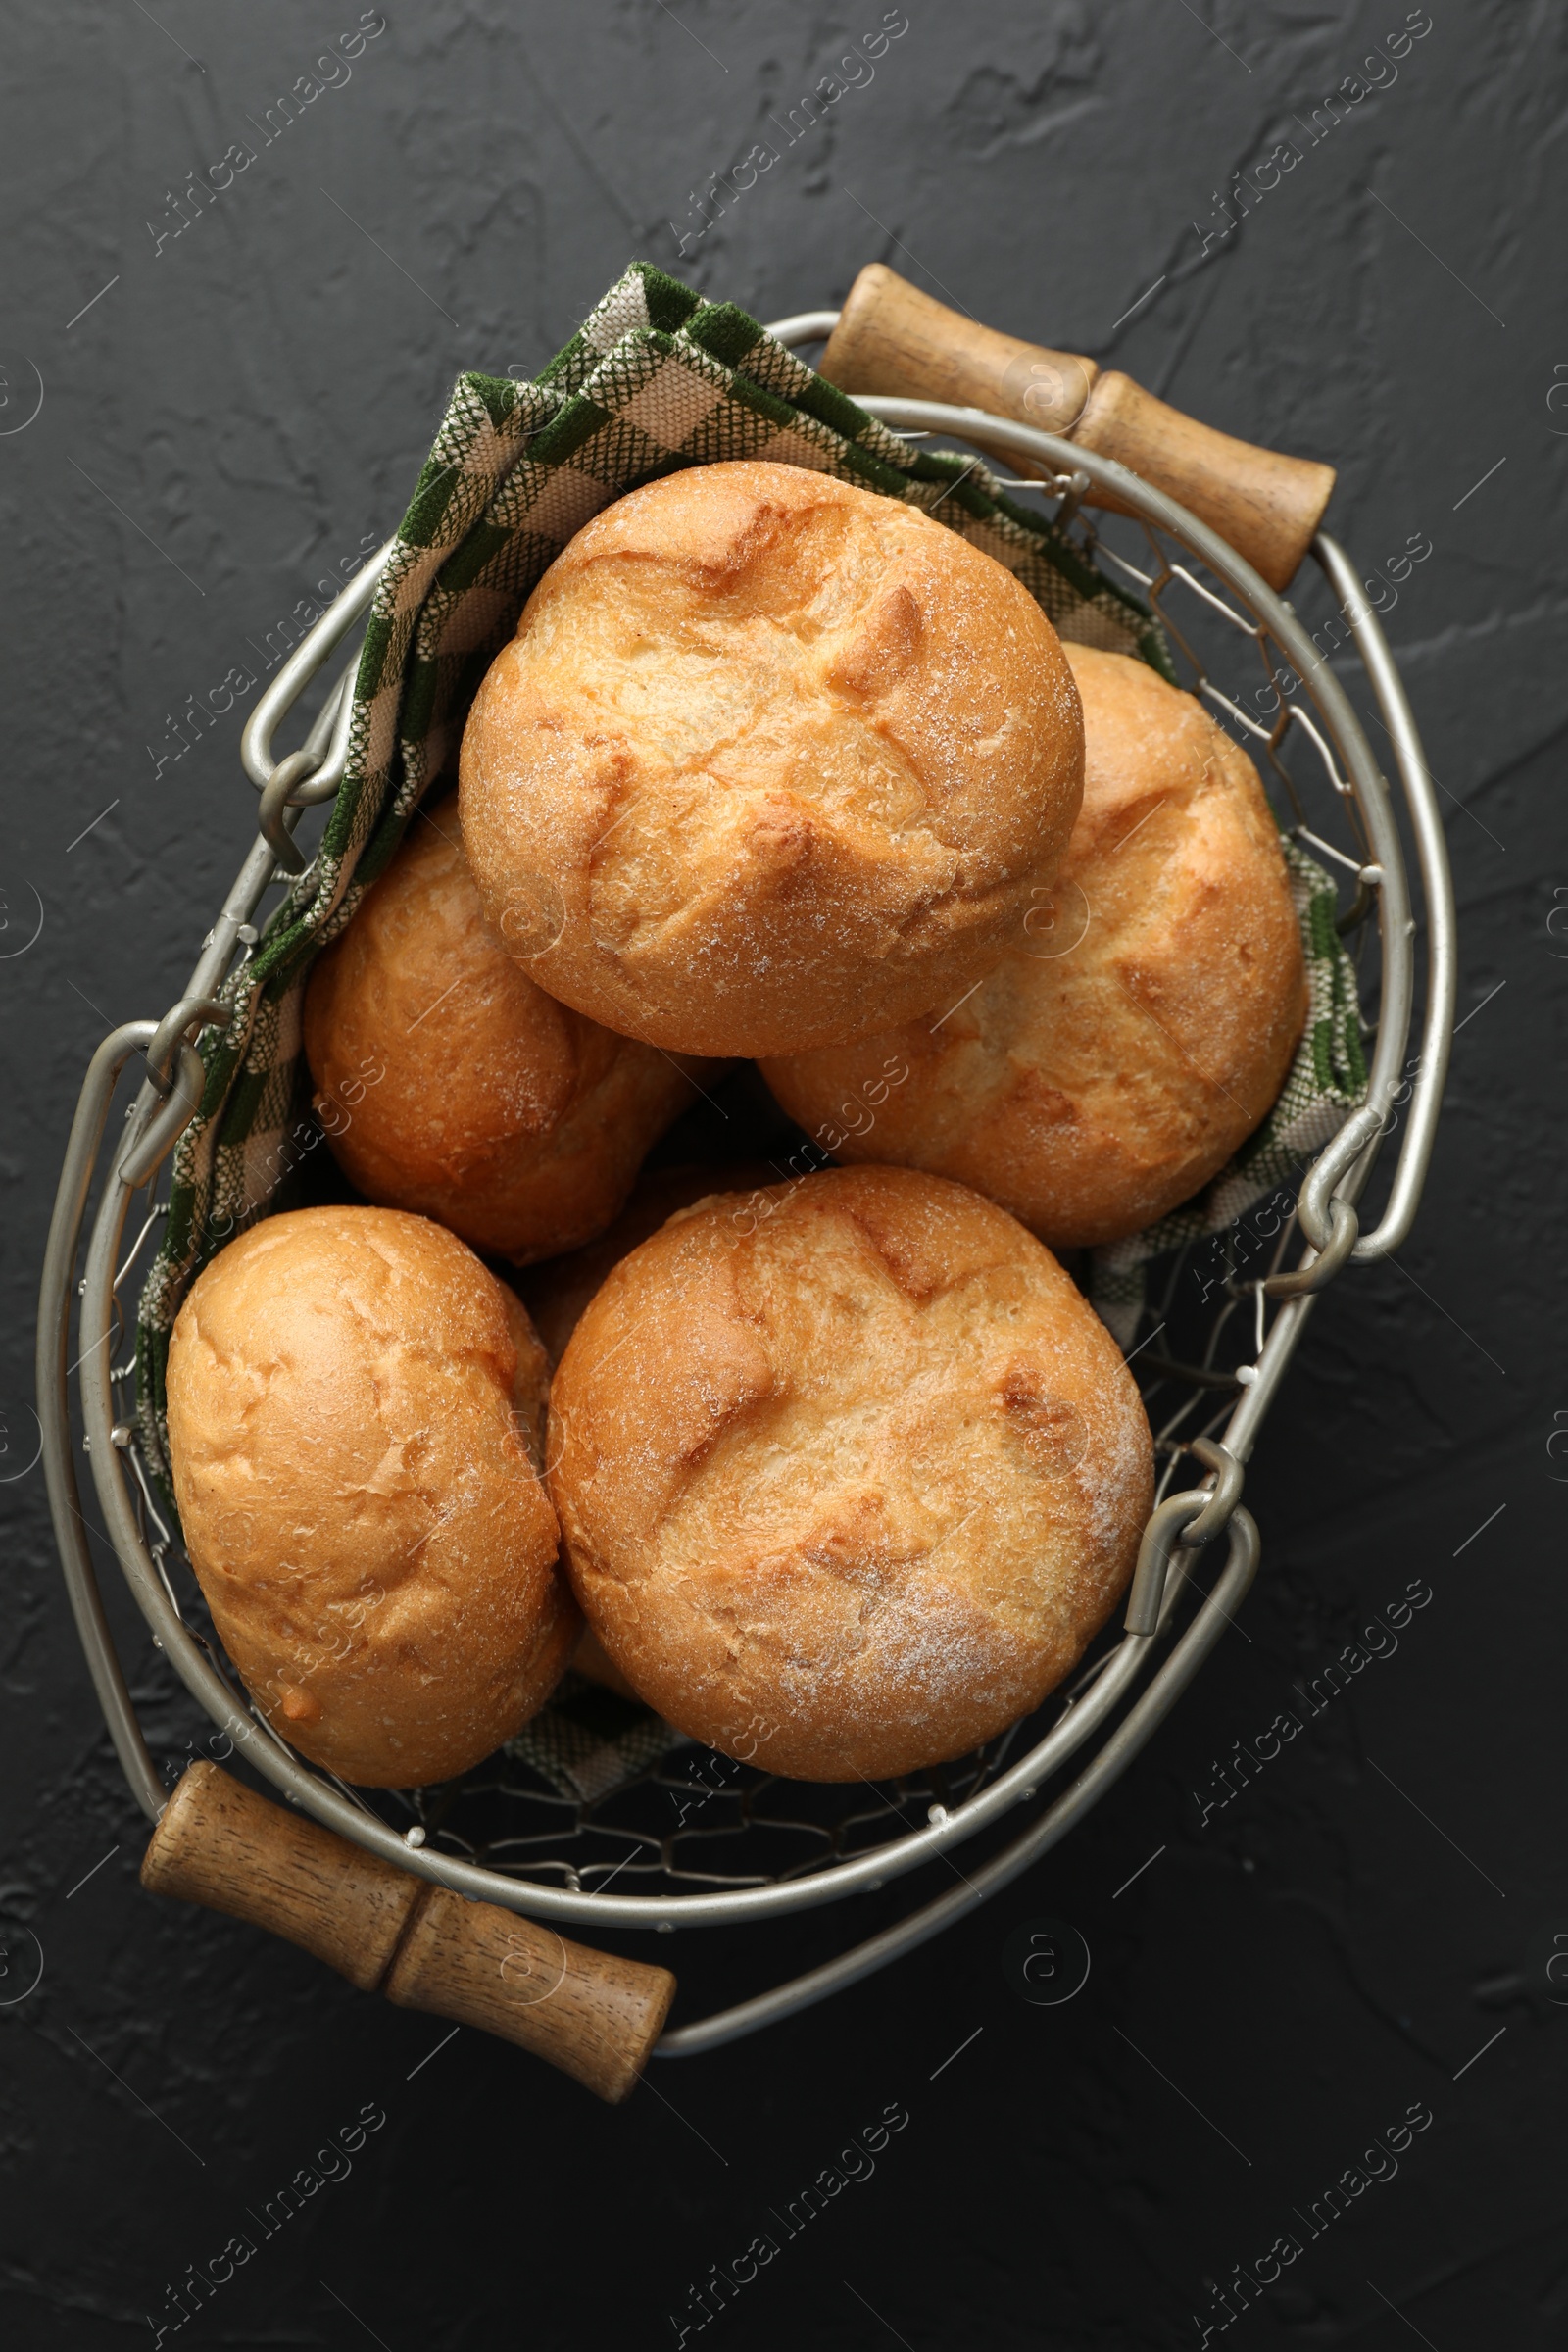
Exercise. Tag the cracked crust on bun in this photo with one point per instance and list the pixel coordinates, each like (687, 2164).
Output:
(770, 763)
(849, 1473)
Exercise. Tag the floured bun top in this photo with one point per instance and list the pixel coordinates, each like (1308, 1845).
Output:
(847, 1471)
(450, 1084)
(1146, 1017)
(770, 763)
(355, 1423)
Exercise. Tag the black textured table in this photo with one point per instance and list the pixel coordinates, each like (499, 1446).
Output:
(1312, 2089)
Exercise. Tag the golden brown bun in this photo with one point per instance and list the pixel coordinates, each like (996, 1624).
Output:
(501, 1113)
(557, 1293)
(791, 754)
(1143, 1024)
(350, 1400)
(848, 1472)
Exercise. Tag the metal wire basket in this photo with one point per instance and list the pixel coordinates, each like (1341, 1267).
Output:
(745, 1848)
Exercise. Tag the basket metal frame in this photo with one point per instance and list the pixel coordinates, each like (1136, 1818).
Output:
(1334, 1184)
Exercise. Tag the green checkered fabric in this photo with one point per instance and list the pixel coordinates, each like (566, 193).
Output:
(586, 1742)
(657, 378)
(1326, 1081)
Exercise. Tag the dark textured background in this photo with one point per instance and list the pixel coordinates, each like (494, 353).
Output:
(248, 406)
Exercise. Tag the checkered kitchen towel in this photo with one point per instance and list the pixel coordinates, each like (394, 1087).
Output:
(657, 378)
(586, 1742)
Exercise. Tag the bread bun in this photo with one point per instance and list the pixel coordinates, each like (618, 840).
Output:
(770, 763)
(849, 1473)
(1143, 1024)
(450, 1084)
(352, 1402)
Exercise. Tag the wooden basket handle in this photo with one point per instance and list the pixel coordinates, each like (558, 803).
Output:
(596, 2017)
(893, 338)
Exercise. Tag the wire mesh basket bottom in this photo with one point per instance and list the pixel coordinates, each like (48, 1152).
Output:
(686, 1817)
